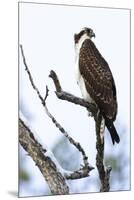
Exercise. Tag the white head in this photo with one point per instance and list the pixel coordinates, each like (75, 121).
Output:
(88, 32)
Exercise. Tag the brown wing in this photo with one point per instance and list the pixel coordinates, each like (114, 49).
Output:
(98, 79)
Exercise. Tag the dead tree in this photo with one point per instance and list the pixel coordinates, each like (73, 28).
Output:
(52, 172)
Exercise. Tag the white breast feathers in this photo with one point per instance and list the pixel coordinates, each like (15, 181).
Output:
(79, 77)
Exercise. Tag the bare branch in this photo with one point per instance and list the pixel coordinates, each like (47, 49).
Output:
(81, 173)
(84, 171)
(104, 174)
(69, 97)
(30, 77)
(57, 84)
(54, 178)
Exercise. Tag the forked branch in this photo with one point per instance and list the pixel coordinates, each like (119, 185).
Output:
(86, 168)
(104, 174)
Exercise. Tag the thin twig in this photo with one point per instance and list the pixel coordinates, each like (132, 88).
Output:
(29, 74)
(46, 95)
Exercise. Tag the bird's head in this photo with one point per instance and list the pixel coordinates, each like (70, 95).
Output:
(85, 31)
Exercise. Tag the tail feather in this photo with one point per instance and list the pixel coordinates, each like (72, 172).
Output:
(114, 135)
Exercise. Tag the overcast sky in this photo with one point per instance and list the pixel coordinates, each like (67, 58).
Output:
(46, 33)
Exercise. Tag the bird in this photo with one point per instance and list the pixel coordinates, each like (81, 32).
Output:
(95, 80)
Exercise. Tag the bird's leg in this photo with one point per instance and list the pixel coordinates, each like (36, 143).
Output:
(90, 114)
(102, 129)
(101, 121)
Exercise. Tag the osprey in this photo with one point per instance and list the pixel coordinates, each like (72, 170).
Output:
(95, 79)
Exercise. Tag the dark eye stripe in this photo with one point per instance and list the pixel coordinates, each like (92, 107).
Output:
(78, 36)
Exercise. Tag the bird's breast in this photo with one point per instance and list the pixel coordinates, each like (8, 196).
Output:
(80, 81)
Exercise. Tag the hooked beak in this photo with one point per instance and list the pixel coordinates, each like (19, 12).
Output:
(93, 35)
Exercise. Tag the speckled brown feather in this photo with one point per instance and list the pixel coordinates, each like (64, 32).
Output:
(98, 79)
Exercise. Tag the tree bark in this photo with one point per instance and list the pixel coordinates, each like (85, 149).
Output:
(54, 178)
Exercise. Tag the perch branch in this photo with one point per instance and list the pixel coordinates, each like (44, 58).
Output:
(83, 171)
(104, 174)
(54, 178)
(69, 97)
